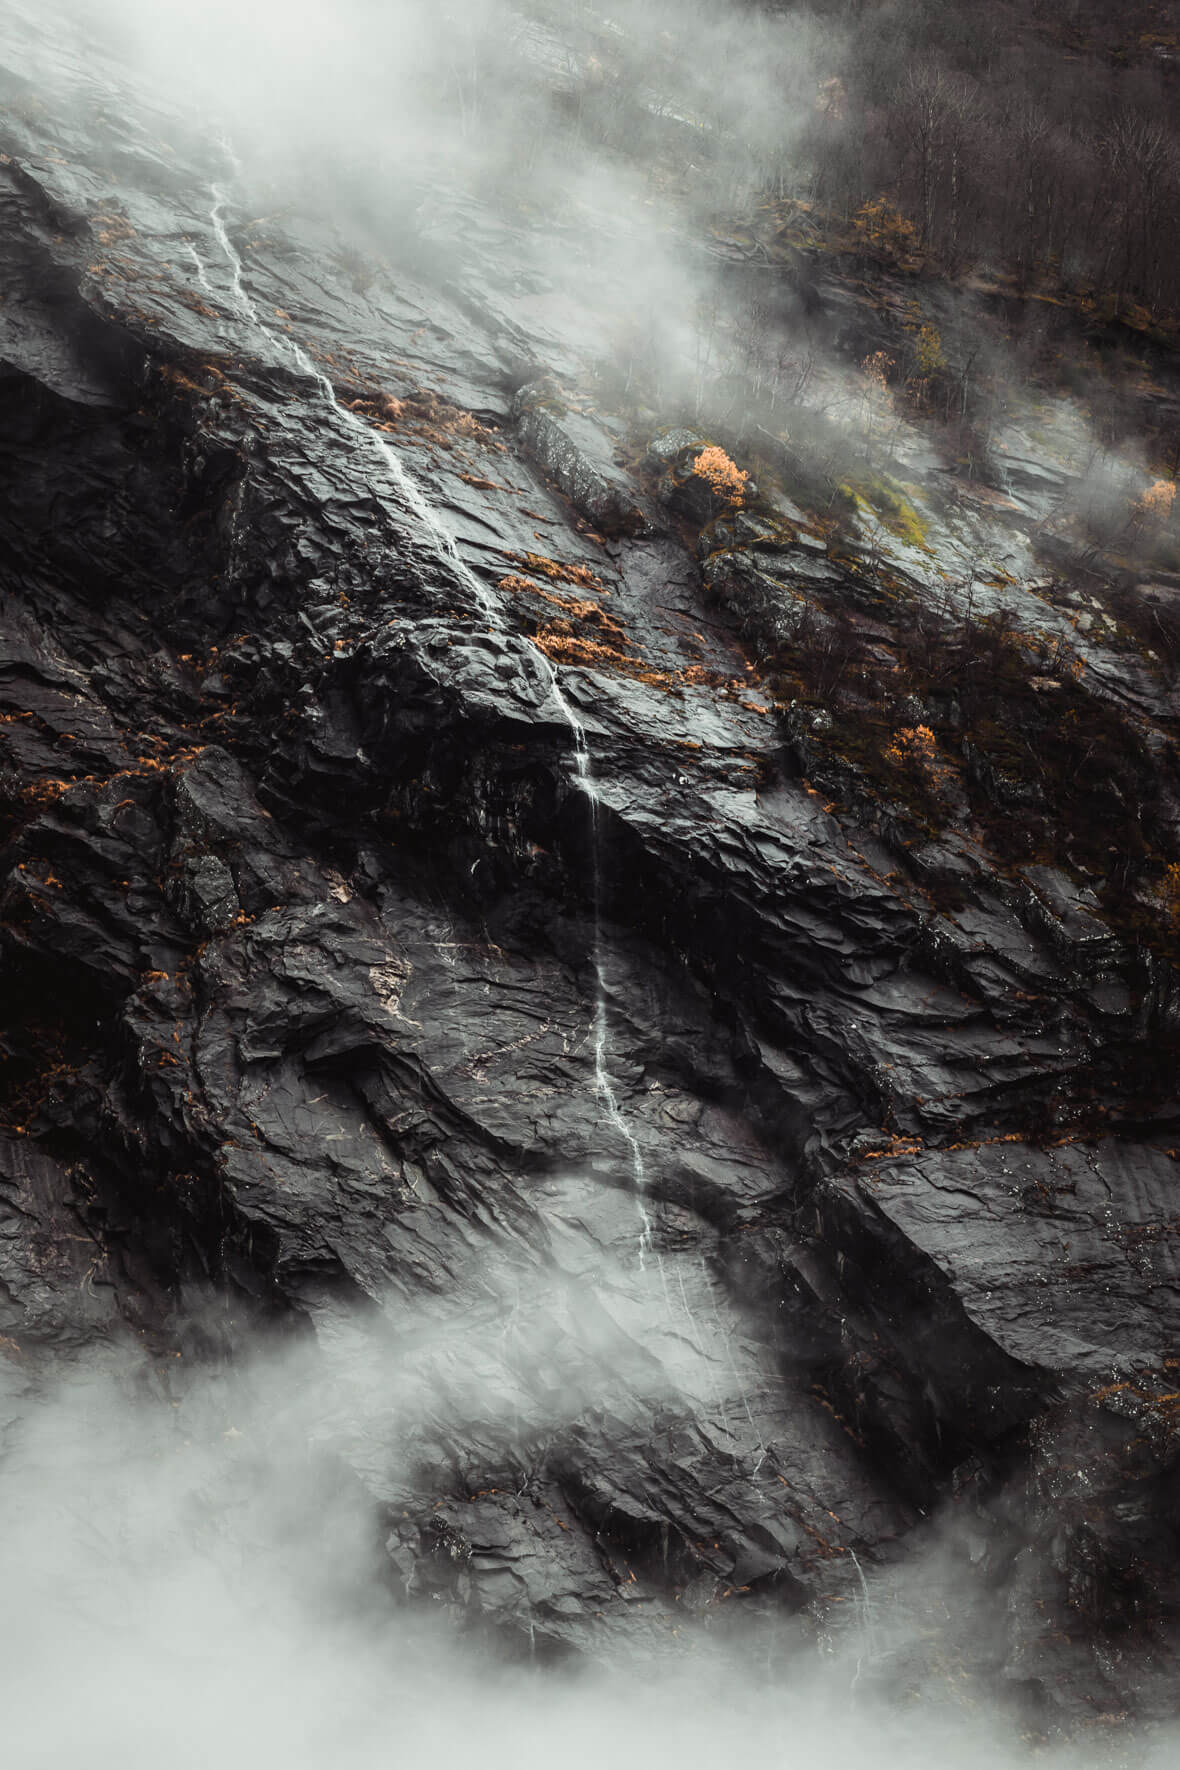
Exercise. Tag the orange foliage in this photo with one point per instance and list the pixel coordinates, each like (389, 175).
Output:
(557, 572)
(111, 229)
(915, 749)
(563, 646)
(723, 476)
(1157, 502)
(422, 417)
(876, 370)
(880, 225)
(566, 647)
(1171, 892)
(577, 608)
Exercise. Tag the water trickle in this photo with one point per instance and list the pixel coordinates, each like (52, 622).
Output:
(445, 541)
(202, 273)
(865, 1606)
(238, 496)
(242, 300)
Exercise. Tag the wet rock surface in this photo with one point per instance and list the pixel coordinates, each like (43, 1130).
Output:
(322, 968)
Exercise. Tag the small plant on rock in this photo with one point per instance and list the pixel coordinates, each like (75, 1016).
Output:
(1156, 504)
(914, 750)
(723, 477)
(1170, 893)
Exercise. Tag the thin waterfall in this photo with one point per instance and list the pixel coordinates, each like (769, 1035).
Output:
(583, 770)
(202, 274)
(868, 1625)
(602, 1077)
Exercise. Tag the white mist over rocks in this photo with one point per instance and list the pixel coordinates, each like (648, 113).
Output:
(390, 120)
(394, 123)
(197, 1564)
(191, 1578)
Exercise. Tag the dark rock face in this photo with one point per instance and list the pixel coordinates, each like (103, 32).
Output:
(570, 451)
(325, 992)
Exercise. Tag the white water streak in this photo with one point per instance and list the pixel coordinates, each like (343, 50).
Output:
(583, 770)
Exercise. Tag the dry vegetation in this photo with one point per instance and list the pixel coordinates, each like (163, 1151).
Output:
(555, 571)
(421, 418)
(722, 475)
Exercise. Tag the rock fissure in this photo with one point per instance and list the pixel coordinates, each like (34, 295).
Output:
(671, 968)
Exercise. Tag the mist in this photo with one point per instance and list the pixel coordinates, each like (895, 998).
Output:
(214, 1554)
(202, 1556)
(626, 157)
(192, 1572)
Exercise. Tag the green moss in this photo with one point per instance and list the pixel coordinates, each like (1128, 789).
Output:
(885, 500)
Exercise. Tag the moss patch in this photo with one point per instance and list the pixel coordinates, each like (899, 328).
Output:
(883, 499)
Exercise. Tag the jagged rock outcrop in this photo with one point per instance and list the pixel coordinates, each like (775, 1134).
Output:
(571, 451)
(803, 1177)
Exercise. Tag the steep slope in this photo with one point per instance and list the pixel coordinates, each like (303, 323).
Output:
(424, 926)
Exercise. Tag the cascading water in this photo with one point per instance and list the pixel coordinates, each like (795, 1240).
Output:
(233, 258)
(583, 771)
(202, 273)
(867, 1621)
(602, 1077)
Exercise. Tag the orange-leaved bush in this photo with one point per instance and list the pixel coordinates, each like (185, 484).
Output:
(1170, 892)
(1156, 503)
(723, 477)
(876, 370)
(915, 749)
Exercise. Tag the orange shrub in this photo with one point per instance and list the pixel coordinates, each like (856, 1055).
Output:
(1157, 502)
(1170, 892)
(876, 370)
(915, 749)
(722, 476)
(881, 225)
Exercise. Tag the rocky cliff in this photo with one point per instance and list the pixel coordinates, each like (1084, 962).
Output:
(688, 966)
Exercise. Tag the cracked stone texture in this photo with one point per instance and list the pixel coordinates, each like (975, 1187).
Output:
(301, 976)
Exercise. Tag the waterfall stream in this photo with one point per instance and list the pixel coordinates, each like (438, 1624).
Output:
(395, 471)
